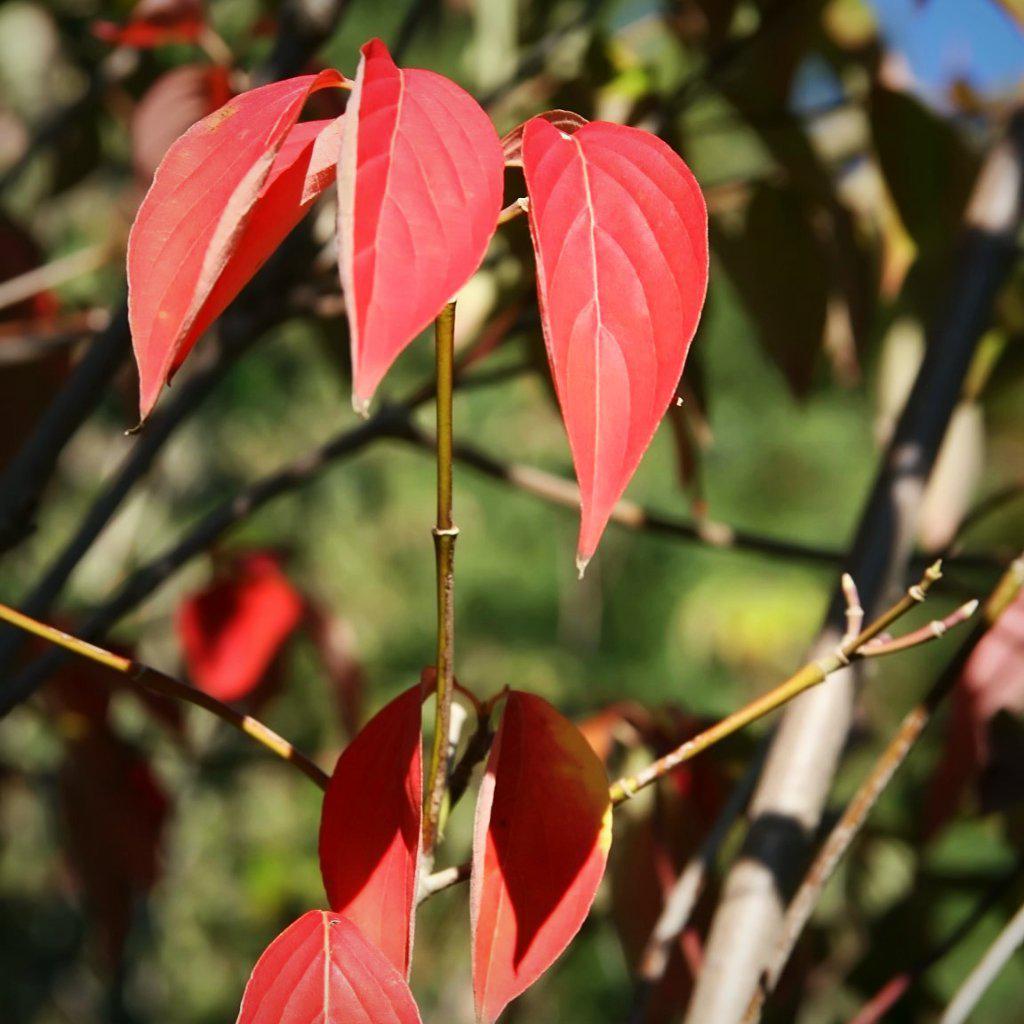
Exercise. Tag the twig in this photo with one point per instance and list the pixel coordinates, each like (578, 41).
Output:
(852, 820)
(810, 738)
(934, 630)
(67, 268)
(157, 682)
(445, 535)
(443, 879)
(558, 490)
(1009, 940)
(813, 673)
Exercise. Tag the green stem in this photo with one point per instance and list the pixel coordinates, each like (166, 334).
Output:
(445, 534)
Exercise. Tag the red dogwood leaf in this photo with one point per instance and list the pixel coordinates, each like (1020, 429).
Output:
(231, 632)
(370, 828)
(321, 970)
(566, 121)
(619, 229)
(155, 23)
(992, 682)
(420, 182)
(223, 198)
(541, 840)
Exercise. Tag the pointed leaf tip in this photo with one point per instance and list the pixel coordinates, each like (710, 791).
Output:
(619, 229)
(420, 183)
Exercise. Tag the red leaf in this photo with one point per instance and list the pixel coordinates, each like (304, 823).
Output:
(567, 121)
(543, 830)
(420, 182)
(619, 229)
(370, 828)
(992, 681)
(223, 198)
(155, 23)
(173, 103)
(321, 970)
(231, 632)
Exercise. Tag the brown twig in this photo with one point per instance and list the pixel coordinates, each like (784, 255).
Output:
(857, 811)
(165, 685)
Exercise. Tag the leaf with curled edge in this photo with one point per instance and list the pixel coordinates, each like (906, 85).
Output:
(322, 970)
(370, 828)
(420, 183)
(541, 842)
(225, 195)
(619, 230)
(512, 142)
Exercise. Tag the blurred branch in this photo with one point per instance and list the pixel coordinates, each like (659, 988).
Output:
(888, 763)
(51, 275)
(157, 682)
(40, 337)
(560, 491)
(807, 746)
(976, 984)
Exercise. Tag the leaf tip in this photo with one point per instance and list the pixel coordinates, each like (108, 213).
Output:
(581, 566)
(361, 406)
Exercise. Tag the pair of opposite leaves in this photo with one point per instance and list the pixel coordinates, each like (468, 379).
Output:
(618, 223)
(541, 840)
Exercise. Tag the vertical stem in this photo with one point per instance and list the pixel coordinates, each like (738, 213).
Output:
(445, 534)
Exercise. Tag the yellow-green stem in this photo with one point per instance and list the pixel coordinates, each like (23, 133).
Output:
(810, 675)
(445, 534)
(156, 682)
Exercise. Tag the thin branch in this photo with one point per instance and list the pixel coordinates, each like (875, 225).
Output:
(813, 673)
(443, 879)
(852, 820)
(58, 272)
(157, 682)
(934, 630)
(976, 984)
(445, 534)
(557, 490)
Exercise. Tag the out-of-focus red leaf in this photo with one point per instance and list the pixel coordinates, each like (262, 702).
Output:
(541, 840)
(155, 23)
(322, 970)
(232, 631)
(172, 104)
(619, 229)
(335, 640)
(622, 722)
(112, 806)
(992, 682)
(420, 183)
(223, 198)
(512, 143)
(370, 828)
